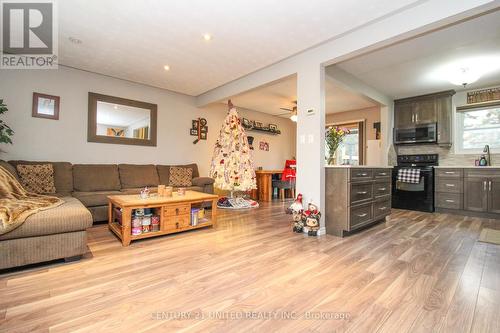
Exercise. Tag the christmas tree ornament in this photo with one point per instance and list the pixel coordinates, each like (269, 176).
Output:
(232, 165)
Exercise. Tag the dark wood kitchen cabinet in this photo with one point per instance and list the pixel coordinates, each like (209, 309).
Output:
(426, 109)
(480, 195)
(482, 190)
(476, 194)
(494, 195)
(403, 114)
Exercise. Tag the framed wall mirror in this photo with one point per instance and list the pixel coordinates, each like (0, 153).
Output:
(121, 121)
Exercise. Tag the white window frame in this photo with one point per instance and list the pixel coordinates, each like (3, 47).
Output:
(459, 120)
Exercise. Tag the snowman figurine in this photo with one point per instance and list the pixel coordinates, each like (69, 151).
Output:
(310, 219)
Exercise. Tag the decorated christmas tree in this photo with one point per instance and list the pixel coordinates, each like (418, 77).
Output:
(232, 165)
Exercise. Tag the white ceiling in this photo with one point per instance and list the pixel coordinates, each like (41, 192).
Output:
(133, 40)
(415, 67)
(281, 94)
(119, 115)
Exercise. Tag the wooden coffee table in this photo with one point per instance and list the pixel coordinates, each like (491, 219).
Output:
(174, 212)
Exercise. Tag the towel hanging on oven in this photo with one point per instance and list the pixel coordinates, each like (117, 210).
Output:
(411, 176)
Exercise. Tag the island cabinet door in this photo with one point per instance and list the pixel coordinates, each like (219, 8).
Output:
(476, 194)
(494, 195)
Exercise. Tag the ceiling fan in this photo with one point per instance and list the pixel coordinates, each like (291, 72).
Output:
(292, 112)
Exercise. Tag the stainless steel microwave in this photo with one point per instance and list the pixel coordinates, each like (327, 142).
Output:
(425, 133)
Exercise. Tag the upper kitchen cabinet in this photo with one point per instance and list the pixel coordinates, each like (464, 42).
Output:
(427, 109)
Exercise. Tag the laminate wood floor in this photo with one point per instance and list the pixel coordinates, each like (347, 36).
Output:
(417, 272)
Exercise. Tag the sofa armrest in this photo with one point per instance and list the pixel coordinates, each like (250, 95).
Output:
(202, 181)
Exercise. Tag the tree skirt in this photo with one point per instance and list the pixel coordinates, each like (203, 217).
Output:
(236, 203)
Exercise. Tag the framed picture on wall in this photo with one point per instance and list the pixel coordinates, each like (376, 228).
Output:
(203, 135)
(194, 124)
(45, 106)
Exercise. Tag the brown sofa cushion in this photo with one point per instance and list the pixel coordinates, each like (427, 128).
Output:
(7, 166)
(37, 178)
(180, 176)
(94, 198)
(63, 174)
(68, 217)
(138, 175)
(96, 177)
(164, 171)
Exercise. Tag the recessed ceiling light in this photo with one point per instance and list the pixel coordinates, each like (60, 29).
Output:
(75, 40)
(207, 37)
(166, 67)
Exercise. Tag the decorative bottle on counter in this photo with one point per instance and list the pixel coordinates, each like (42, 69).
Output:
(482, 161)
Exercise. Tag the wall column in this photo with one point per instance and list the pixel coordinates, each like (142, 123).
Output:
(311, 136)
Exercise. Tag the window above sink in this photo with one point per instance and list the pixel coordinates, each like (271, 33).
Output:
(477, 126)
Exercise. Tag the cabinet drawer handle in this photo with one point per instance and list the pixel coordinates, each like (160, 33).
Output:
(490, 185)
(382, 189)
(448, 200)
(362, 192)
(177, 211)
(484, 185)
(450, 185)
(449, 172)
(362, 174)
(361, 215)
(383, 174)
(177, 225)
(383, 208)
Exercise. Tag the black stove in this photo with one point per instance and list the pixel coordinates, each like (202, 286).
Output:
(415, 196)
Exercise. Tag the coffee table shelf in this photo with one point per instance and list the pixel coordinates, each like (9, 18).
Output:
(174, 212)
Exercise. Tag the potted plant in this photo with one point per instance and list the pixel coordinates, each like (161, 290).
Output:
(5, 131)
(334, 136)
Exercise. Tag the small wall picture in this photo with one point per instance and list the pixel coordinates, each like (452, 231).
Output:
(194, 124)
(45, 106)
(273, 127)
(264, 146)
(199, 129)
(258, 124)
(250, 141)
(246, 123)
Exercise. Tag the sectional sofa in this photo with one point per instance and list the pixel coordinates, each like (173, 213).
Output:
(61, 232)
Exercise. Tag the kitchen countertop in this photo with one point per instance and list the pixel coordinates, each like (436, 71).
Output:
(466, 167)
(359, 166)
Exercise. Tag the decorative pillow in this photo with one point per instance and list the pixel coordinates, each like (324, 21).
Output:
(37, 178)
(180, 177)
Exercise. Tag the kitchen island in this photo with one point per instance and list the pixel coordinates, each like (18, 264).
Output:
(355, 197)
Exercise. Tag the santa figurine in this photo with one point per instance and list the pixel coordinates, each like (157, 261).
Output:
(296, 210)
(296, 206)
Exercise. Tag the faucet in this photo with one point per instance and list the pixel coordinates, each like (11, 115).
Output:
(486, 150)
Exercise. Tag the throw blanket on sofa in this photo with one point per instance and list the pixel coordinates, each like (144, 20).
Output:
(16, 204)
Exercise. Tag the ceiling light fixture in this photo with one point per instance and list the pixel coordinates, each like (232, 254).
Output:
(466, 70)
(166, 67)
(207, 37)
(464, 76)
